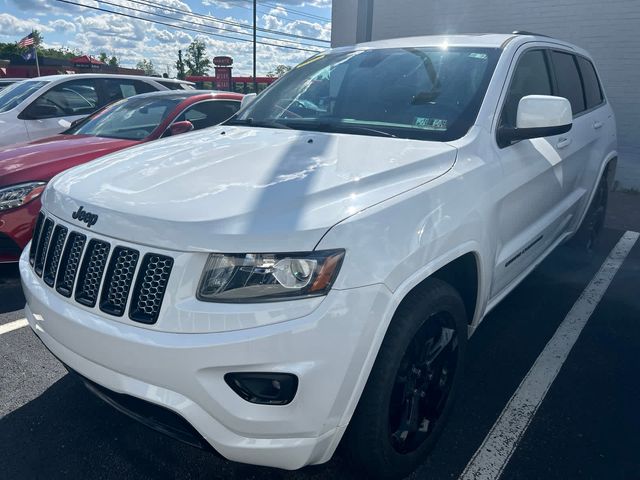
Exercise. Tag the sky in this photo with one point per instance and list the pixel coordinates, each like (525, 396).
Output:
(91, 31)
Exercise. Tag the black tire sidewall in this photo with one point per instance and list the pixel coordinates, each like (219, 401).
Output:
(368, 435)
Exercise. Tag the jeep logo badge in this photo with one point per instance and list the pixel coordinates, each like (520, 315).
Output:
(83, 216)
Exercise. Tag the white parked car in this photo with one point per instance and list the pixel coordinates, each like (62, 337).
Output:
(40, 107)
(308, 273)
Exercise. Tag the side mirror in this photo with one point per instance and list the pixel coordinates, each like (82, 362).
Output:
(37, 111)
(180, 127)
(538, 116)
(247, 100)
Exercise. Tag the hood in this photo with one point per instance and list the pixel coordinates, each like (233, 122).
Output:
(240, 189)
(45, 158)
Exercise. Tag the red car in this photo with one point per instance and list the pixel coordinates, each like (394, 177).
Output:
(26, 168)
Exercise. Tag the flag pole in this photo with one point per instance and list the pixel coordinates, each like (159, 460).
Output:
(35, 49)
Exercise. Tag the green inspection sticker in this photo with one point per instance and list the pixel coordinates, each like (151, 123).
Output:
(481, 56)
(431, 123)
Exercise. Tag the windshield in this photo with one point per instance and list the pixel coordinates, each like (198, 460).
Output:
(428, 93)
(14, 94)
(129, 119)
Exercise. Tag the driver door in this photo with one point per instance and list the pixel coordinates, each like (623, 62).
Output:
(532, 209)
(54, 110)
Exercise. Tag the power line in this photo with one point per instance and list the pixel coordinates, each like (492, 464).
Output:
(178, 27)
(200, 24)
(297, 12)
(267, 10)
(227, 22)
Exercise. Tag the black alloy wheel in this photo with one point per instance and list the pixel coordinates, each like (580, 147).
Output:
(423, 383)
(412, 386)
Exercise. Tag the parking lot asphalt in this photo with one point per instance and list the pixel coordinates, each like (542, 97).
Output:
(586, 427)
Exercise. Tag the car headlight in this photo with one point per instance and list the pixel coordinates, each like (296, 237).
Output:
(250, 278)
(18, 195)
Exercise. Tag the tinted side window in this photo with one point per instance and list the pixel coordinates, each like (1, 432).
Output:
(208, 114)
(76, 97)
(568, 78)
(116, 89)
(531, 77)
(175, 85)
(592, 90)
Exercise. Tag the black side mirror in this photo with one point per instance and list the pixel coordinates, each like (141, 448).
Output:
(37, 111)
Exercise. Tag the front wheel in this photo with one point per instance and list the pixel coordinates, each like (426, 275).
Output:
(411, 388)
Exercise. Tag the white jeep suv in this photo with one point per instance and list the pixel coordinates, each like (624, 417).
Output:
(308, 273)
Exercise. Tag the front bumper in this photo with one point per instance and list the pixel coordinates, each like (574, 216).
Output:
(184, 372)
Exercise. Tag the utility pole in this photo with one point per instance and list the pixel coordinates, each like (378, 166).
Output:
(35, 50)
(255, 82)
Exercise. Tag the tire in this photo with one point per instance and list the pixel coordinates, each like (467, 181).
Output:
(585, 240)
(383, 441)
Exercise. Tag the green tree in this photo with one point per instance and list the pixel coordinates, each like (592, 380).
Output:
(279, 70)
(196, 58)
(113, 62)
(147, 67)
(103, 57)
(180, 66)
(37, 38)
(8, 49)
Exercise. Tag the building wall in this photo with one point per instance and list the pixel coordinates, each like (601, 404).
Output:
(608, 29)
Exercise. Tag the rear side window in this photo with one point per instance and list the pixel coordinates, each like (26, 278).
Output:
(592, 90)
(116, 89)
(568, 78)
(208, 114)
(175, 85)
(531, 77)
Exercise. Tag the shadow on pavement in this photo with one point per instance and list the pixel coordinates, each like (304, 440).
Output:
(68, 433)
(11, 297)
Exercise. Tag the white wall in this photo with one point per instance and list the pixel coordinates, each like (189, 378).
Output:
(608, 29)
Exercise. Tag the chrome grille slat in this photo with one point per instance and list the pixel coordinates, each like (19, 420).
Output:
(53, 257)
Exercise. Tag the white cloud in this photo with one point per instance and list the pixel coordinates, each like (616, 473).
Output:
(11, 26)
(91, 32)
(61, 25)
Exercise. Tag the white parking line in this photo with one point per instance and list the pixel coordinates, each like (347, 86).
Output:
(493, 455)
(15, 325)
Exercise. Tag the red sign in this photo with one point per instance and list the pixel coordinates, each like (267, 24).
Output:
(223, 78)
(222, 61)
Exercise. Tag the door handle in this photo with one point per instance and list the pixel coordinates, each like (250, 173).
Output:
(563, 142)
(597, 125)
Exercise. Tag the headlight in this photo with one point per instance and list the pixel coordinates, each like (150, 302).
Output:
(18, 195)
(250, 278)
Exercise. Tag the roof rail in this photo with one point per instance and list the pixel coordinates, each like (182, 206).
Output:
(524, 32)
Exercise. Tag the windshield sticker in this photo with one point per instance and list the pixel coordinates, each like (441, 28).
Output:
(431, 123)
(481, 56)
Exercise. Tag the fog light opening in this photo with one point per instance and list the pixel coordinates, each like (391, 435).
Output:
(264, 388)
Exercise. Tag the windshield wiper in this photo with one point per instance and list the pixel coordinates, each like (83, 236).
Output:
(253, 123)
(361, 129)
(339, 127)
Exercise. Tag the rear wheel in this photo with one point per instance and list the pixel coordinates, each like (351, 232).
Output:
(586, 238)
(412, 385)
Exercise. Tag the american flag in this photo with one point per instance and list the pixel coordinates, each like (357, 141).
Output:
(27, 41)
